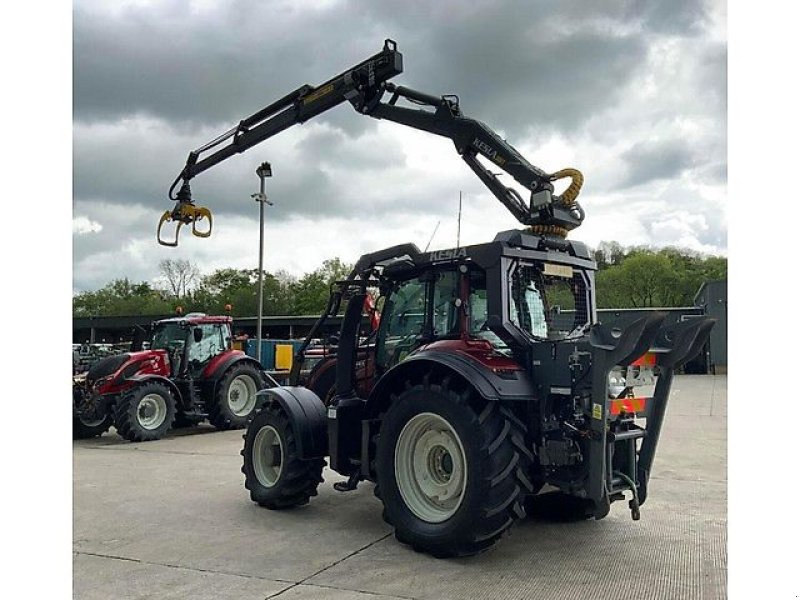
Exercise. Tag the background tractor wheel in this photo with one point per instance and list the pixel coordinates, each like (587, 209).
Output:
(85, 422)
(451, 469)
(235, 400)
(83, 428)
(145, 412)
(273, 473)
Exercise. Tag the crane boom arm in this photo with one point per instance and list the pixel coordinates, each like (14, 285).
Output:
(364, 87)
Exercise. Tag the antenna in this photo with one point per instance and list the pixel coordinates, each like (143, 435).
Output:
(435, 229)
(458, 235)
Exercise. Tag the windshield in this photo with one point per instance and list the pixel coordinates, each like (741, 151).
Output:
(548, 301)
(167, 336)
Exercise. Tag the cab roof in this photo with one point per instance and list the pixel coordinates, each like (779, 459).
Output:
(198, 319)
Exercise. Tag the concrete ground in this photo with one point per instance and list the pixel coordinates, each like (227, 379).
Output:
(171, 519)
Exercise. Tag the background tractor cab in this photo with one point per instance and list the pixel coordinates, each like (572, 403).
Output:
(191, 344)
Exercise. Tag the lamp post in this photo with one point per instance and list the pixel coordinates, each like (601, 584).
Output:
(263, 171)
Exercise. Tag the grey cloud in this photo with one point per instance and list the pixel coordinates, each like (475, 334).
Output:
(162, 60)
(152, 82)
(653, 160)
(673, 16)
(539, 65)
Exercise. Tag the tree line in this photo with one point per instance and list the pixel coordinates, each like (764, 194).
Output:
(628, 277)
(181, 284)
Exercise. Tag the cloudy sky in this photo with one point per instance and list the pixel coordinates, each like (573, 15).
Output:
(631, 92)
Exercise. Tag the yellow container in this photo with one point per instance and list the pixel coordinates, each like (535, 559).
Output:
(284, 353)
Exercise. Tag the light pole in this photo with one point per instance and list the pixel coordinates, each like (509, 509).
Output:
(263, 171)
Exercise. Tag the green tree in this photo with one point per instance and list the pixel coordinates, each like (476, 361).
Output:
(643, 277)
(310, 292)
(121, 297)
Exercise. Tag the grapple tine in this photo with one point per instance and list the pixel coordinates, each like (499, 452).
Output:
(201, 212)
(166, 217)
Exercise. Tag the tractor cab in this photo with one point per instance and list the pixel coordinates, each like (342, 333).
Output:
(489, 304)
(191, 342)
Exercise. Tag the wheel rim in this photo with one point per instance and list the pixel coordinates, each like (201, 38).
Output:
(430, 467)
(91, 422)
(268, 456)
(242, 395)
(152, 411)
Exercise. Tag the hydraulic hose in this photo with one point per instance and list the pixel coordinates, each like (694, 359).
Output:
(568, 199)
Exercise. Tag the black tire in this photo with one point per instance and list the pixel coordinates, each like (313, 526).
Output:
(496, 465)
(83, 429)
(133, 410)
(279, 480)
(224, 415)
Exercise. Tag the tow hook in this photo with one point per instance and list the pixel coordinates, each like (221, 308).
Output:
(633, 504)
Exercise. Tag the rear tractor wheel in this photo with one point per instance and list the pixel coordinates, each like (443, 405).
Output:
(145, 412)
(235, 400)
(451, 470)
(275, 476)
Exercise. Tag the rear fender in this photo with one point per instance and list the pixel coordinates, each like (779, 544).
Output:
(511, 386)
(307, 415)
(222, 362)
(216, 369)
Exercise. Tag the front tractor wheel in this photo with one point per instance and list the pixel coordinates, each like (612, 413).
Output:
(145, 412)
(85, 427)
(274, 474)
(88, 419)
(451, 470)
(235, 400)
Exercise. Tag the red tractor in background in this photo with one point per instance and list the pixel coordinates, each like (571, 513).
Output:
(190, 373)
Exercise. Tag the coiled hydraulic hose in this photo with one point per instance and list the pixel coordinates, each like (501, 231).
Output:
(567, 199)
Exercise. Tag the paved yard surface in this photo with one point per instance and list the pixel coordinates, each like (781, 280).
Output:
(171, 519)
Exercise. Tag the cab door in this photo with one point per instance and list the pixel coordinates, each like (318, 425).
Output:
(205, 342)
(403, 320)
(418, 311)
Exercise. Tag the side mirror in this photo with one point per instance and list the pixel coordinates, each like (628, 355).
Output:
(198, 334)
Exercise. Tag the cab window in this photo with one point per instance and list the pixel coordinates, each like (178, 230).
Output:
(402, 322)
(209, 346)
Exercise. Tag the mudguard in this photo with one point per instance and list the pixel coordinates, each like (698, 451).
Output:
(512, 386)
(222, 363)
(160, 379)
(307, 414)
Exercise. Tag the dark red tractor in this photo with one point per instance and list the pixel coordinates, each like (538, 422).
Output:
(490, 375)
(190, 373)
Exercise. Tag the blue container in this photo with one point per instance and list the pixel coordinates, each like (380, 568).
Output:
(268, 351)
